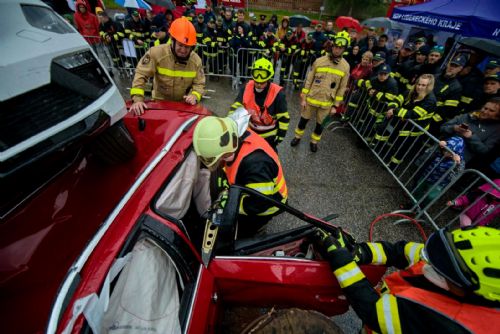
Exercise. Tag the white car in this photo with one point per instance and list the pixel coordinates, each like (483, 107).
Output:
(55, 96)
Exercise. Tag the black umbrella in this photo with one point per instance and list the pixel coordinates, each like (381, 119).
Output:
(381, 22)
(295, 20)
(163, 3)
(486, 45)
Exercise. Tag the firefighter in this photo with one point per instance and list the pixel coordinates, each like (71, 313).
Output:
(449, 285)
(267, 43)
(319, 40)
(177, 71)
(200, 27)
(448, 92)
(420, 106)
(324, 90)
(247, 160)
(286, 48)
(303, 57)
(380, 93)
(111, 34)
(159, 36)
(136, 31)
(261, 27)
(223, 35)
(329, 32)
(397, 62)
(266, 103)
(210, 49)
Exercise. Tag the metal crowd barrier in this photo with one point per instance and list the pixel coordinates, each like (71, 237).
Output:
(413, 157)
(122, 56)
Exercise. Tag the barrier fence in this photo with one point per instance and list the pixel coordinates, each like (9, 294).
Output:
(421, 165)
(409, 152)
(121, 57)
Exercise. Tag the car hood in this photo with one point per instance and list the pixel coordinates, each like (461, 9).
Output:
(27, 51)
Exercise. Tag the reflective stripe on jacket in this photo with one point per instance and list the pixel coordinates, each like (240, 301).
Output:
(326, 82)
(250, 144)
(475, 318)
(172, 79)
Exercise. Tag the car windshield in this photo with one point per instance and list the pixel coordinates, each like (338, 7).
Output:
(45, 19)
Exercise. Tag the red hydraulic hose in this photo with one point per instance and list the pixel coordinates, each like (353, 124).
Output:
(399, 215)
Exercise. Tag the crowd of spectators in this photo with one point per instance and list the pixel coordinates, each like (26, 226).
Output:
(228, 40)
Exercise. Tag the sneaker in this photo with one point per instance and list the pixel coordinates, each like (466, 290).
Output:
(313, 147)
(295, 142)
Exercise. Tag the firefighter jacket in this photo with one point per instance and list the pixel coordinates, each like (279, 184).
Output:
(330, 35)
(112, 30)
(385, 95)
(253, 35)
(172, 79)
(200, 29)
(258, 167)
(405, 72)
(286, 46)
(472, 88)
(135, 30)
(304, 52)
(267, 42)
(268, 110)
(448, 92)
(210, 41)
(408, 302)
(326, 82)
(222, 36)
(422, 112)
(319, 40)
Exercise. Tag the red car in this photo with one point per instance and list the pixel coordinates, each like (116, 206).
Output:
(146, 270)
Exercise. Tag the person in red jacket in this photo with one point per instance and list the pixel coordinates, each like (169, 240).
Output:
(450, 285)
(86, 23)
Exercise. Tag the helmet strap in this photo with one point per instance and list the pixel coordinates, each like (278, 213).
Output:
(333, 58)
(182, 60)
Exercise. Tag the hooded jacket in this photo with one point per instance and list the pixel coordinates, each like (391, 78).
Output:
(86, 23)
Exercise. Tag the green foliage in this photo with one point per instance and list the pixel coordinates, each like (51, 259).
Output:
(110, 4)
(359, 9)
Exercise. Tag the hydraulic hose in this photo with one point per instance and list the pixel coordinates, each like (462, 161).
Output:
(399, 215)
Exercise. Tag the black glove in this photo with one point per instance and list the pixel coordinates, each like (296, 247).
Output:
(333, 247)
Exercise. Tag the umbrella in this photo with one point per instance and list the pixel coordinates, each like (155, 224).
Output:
(295, 20)
(486, 45)
(134, 4)
(381, 22)
(347, 22)
(163, 3)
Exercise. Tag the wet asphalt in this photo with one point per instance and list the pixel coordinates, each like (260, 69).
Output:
(343, 178)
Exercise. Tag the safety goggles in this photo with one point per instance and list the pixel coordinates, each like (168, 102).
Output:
(260, 74)
(445, 259)
(340, 42)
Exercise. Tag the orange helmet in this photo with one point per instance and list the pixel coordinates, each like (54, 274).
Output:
(183, 31)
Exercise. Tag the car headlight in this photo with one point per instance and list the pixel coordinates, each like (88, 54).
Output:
(75, 60)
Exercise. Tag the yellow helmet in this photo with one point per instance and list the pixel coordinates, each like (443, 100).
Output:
(213, 137)
(342, 39)
(468, 258)
(262, 70)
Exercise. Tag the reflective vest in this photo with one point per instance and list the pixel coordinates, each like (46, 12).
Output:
(250, 144)
(260, 119)
(475, 318)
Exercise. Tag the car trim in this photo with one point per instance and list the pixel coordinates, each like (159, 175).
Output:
(264, 258)
(193, 298)
(80, 262)
(110, 98)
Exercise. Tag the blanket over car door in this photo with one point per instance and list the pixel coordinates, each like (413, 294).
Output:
(145, 298)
